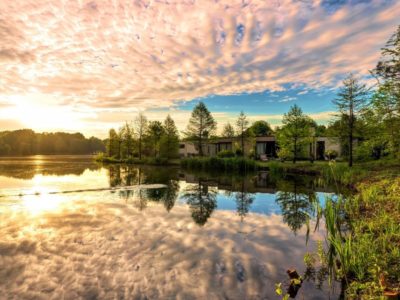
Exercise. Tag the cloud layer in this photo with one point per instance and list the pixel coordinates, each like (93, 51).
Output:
(111, 55)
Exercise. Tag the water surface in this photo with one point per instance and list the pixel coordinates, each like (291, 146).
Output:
(72, 229)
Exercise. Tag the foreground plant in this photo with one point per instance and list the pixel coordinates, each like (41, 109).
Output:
(363, 241)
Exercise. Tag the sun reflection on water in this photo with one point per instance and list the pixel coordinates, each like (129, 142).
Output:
(39, 200)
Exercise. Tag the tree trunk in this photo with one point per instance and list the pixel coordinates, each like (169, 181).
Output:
(295, 151)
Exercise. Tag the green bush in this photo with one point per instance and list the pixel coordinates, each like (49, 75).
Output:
(232, 164)
(284, 154)
(226, 154)
(331, 154)
(239, 152)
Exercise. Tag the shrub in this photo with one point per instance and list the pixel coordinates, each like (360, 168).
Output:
(232, 164)
(239, 152)
(331, 154)
(284, 154)
(226, 154)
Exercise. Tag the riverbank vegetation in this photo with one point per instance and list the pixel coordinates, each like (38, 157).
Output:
(143, 142)
(28, 142)
(363, 240)
(217, 164)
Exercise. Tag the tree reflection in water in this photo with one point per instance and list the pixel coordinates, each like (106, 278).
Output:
(296, 201)
(243, 200)
(295, 195)
(202, 201)
(120, 175)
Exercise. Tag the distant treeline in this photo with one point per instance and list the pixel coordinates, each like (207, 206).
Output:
(28, 142)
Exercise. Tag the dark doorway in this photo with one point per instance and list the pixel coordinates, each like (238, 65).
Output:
(270, 149)
(320, 150)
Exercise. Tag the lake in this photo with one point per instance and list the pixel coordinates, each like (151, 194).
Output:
(73, 229)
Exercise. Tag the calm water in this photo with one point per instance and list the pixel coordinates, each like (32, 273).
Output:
(71, 229)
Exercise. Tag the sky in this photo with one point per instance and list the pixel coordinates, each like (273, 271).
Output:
(77, 65)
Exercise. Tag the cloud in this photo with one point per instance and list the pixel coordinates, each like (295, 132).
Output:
(104, 55)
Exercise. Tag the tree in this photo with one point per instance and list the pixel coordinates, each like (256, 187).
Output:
(320, 130)
(201, 126)
(140, 126)
(155, 131)
(386, 116)
(126, 140)
(261, 128)
(242, 125)
(386, 100)
(169, 145)
(388, 68)
(118, 141)
(112, 145)
(351, 100)
(295, 132)
(228, 131)
(28, 142)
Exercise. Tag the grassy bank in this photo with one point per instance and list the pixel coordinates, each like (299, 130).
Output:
(363, 230)
(144, 161)
(216, 164)
(338, 172)
(363, 240)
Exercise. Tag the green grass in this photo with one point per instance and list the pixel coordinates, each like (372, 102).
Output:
(363, 239)
(338, 172)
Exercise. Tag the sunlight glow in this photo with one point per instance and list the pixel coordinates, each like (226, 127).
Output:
(39, 200)
(38, 112)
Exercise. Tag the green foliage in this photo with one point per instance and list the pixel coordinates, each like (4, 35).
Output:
(228, 131)
(140, 127)
(284, 153)
(261, 128)
(155, 131)
(235, 164)
(367, 255)
(242, 125)
(28, 142)
(238, 152)
(331, 154)
(133, 145)
(352, 98)
(295, 134)
(201, 126)
(169, 144)
(309, 260)
(226, 154)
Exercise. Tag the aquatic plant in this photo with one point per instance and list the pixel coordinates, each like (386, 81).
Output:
(363, 240)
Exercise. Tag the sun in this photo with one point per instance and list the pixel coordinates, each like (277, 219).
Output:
(41, 113)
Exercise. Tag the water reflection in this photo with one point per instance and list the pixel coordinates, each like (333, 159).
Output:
(297, 202)
(202, 201)
(243, 200)
(97, 243)
(294, 197)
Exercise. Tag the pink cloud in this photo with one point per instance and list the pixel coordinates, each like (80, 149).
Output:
(138, 54)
